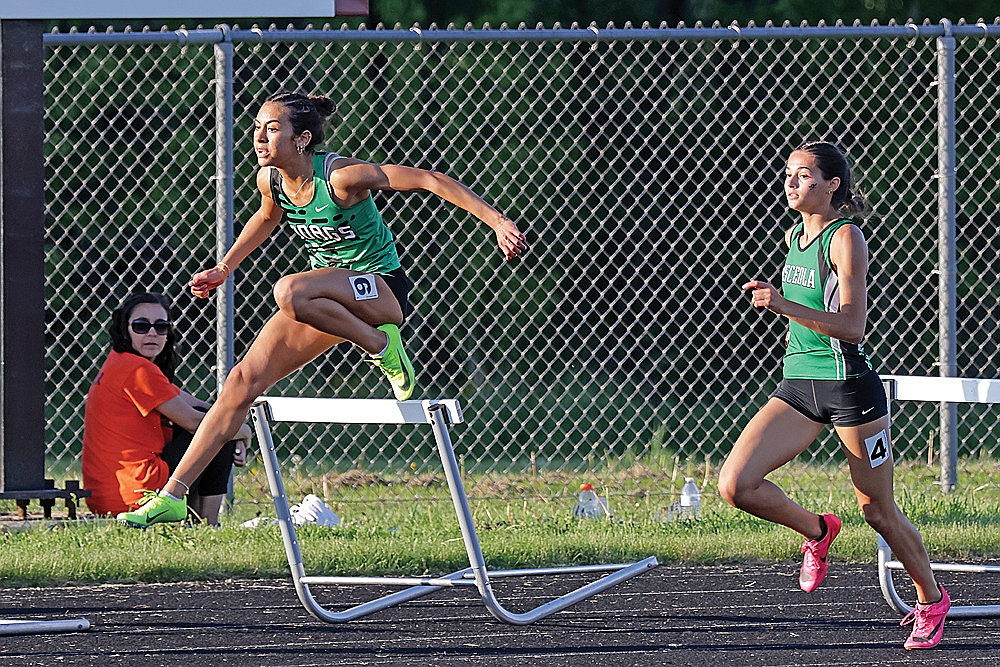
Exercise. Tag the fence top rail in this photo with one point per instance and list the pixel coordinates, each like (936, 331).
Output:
(225, 33)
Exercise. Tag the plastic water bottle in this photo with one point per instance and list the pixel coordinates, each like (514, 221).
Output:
(589, 505)
(690, 499)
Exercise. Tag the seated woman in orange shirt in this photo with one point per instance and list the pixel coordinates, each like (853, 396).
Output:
(137, 423)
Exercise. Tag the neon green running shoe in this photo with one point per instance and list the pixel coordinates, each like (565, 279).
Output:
(395, 364)
(154, 508)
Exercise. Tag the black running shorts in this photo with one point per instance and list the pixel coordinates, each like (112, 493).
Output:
(400, 286)
(850, 402)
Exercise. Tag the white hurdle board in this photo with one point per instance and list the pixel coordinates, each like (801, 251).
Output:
(357, 410)
(438, 414)
(936, 390)
(942, 389)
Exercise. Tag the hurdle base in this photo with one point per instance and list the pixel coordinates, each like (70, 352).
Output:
(886, 565)
(437, 414)
(18, 627)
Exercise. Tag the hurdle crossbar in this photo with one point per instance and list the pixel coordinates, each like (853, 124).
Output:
(936, 390)
(438, 414)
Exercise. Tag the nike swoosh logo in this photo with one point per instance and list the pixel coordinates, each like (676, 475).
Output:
(151, 516)
(320, 208)
(864, 412)
(934, 631)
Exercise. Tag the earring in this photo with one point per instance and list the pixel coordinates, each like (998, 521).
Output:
(300, 148)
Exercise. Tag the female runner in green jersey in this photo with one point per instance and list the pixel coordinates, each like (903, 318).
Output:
(828, 379)
(355, 291)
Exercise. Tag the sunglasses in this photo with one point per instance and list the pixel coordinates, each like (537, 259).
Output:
(142, 327)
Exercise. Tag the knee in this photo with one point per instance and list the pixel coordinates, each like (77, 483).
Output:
(878, 515)
(731, 488)
(240, 388)
(288, 295)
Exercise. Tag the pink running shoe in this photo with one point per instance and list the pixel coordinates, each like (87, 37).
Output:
(928, 622)
(814, 565)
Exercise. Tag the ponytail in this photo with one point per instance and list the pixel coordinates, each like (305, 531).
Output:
(855, 205)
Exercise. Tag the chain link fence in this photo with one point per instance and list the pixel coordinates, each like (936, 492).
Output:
(645, 166)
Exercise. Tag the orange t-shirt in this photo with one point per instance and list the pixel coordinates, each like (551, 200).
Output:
(123, 434)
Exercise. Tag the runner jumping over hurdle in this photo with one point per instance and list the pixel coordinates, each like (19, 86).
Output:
(356, 291)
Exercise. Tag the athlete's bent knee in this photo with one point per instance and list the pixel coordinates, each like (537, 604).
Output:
(732, 489)
(286, 294)
(878, 516)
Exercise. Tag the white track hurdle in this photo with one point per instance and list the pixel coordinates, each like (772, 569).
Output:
(937, 390)
(437, 413)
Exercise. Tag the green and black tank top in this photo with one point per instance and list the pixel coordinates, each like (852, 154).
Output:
(353, 238)
(808, 278)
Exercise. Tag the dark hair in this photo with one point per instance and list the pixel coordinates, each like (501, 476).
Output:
(121, 341)
(305, 112)
(833, 163)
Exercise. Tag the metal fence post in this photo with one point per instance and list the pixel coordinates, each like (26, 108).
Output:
(224, 199)
(224, 297)
(947, 349)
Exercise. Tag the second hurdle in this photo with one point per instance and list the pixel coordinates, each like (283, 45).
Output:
(438, 414)
(936, 390)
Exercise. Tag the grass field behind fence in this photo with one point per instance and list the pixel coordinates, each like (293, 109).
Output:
(522, 521)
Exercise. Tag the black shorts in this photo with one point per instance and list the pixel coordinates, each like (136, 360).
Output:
(400, 286)
(849, 402)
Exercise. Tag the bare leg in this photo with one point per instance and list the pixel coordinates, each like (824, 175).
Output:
(777, 434)
(283, 346)
(317, 310)
(324, 299)
(874, 489)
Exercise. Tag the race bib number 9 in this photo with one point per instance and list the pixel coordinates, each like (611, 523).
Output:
(878, 449)
(364, 287)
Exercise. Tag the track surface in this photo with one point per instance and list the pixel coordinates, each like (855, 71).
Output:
(674, 615)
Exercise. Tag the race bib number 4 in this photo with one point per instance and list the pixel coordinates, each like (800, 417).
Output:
(364, 287)
(878, 449)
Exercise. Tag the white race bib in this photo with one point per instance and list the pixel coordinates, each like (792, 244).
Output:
(878, 448)
(364, 287)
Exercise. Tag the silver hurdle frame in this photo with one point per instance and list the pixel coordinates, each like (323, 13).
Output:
(939, 390)
(438, 414)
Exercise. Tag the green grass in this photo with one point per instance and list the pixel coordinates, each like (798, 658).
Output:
(522, 521)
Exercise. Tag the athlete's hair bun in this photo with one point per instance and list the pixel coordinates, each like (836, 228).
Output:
(305, 112)
(324, 105)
